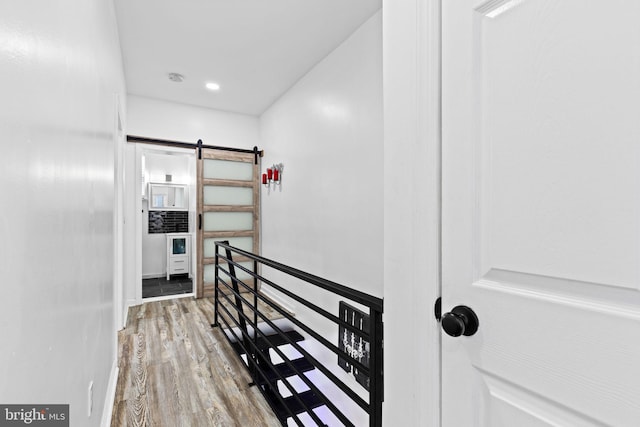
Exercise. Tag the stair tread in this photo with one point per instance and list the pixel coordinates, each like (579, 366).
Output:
(310, 399)
(283, 370)
(271, 341)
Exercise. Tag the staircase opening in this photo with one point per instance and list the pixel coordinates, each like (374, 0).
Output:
(321, 367)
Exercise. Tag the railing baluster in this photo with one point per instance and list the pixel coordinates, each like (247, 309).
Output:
(375, 365)
(217, 277)
(239, 308)
(255, 299)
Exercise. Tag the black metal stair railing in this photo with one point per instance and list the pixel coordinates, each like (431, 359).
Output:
(257, 337)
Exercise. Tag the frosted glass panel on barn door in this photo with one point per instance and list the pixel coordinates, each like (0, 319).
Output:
(229, 207)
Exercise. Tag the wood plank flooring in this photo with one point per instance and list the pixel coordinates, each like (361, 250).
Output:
(175, 370)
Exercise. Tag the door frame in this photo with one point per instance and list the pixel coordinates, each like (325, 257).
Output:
(412, 162)
(120, 305)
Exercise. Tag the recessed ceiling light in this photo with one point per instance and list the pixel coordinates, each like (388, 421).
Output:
(213, 86)
(176, 77)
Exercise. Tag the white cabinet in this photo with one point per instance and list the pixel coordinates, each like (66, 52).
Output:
(178, 254)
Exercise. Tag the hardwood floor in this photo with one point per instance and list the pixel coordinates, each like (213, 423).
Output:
(175, 370)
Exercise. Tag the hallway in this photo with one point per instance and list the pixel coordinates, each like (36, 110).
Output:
(484, 154)
(72, 182)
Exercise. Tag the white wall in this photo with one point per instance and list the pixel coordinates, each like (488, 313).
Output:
(179, 122)
(61, 71)
(154, 118)
(327, 216)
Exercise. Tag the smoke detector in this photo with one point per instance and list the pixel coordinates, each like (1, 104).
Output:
(176, 77)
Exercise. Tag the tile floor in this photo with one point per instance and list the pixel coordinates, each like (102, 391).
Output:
(160, 287)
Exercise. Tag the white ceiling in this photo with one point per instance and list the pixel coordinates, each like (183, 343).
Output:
(255, 49)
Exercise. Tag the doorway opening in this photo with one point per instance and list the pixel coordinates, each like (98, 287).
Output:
(168, 222)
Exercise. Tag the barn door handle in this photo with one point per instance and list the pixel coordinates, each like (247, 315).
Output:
(460, 321)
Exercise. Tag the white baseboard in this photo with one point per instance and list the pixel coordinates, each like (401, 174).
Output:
(283, 302)
(110, 396)
(167, 297)
(154, 275)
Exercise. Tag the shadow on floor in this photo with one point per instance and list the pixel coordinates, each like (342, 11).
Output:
(161, 287)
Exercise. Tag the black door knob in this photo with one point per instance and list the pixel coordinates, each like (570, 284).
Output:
(460, 321)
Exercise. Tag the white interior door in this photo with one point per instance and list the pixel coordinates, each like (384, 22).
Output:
(541, 212)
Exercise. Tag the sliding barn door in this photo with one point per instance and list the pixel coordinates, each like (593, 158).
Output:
(228, 209)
